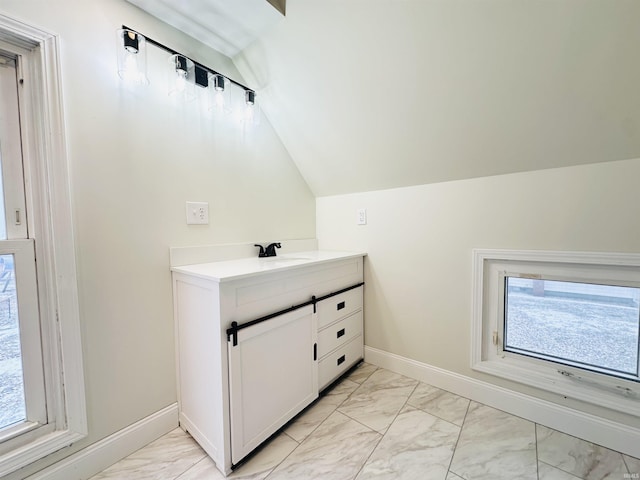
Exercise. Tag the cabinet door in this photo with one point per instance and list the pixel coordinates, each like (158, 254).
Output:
(273, 375)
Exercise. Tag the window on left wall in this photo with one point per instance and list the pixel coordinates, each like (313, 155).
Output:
(42, 406)
(20, 352)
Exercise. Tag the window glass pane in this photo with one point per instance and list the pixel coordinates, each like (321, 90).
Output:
(11, 167)
(3, 220)
(12, 404)
(586, 325)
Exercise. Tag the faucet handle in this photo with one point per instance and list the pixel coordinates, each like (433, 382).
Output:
(262, 252)
(271, 250)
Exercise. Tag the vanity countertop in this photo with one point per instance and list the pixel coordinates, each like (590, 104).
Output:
(246, 267)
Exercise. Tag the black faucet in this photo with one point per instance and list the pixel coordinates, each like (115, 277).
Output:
(271, 250)
(261, 253)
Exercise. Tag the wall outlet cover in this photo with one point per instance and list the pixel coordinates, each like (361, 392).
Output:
(362, 216)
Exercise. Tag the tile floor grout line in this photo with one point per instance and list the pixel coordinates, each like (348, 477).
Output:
(314, 429)
(192, 466)
(367, 426)
(288, 455)
(362, 424)
(455, 447)
(624, 460)
(368, 457)
(315, 402)
(576, 438)
(561, 469)
(385, 432)
(311, 433)
(438, 416)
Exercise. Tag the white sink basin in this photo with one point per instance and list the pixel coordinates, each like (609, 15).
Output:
(283, 258)
(272, 262)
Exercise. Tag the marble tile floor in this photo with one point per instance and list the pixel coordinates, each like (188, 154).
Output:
(376, 424)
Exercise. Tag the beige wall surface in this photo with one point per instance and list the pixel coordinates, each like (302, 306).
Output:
(420, 239)
(136, 156)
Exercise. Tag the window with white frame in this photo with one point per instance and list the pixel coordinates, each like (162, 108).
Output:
(566, 322)
(42, 406)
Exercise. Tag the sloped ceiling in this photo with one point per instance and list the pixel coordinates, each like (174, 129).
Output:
(225, 25)
(376, 94)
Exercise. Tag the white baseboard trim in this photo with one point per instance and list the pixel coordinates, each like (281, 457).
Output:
(104, 453)
(601, 431)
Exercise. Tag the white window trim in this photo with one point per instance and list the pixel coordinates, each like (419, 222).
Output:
(48, 195)
(613, 393)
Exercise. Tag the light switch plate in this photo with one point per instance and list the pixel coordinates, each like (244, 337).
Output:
(197, 213)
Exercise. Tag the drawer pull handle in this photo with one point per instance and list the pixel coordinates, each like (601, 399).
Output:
(341, 360)
(340, 333)
(341, 305)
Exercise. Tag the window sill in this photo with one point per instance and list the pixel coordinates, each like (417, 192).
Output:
(37, 449)
(606, 393)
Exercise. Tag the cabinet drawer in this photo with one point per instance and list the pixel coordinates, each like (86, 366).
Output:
(339, 333)
(338, 306)
(339, 361)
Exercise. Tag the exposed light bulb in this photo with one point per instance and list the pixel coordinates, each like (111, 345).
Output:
(249, 114)
(219, 99)
(131, 71)
(181, 80)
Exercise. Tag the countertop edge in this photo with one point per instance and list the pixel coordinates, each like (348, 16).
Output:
(332, 256)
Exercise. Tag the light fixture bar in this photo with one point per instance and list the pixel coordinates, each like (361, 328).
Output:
(198, 65)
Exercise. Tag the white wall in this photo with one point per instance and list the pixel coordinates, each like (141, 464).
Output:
(419, 241)
(135, 158)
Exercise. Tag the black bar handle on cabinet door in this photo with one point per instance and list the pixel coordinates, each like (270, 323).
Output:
(315, 352)
(341, 360)
(340, 306)
(340, 333)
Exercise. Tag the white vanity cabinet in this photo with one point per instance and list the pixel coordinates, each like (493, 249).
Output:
(257, 339)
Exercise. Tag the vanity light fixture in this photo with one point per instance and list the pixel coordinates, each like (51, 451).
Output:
(218, 83)
(251, 110)
(132, 56)
(220, 98)
(183, 75)
(180, 77)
